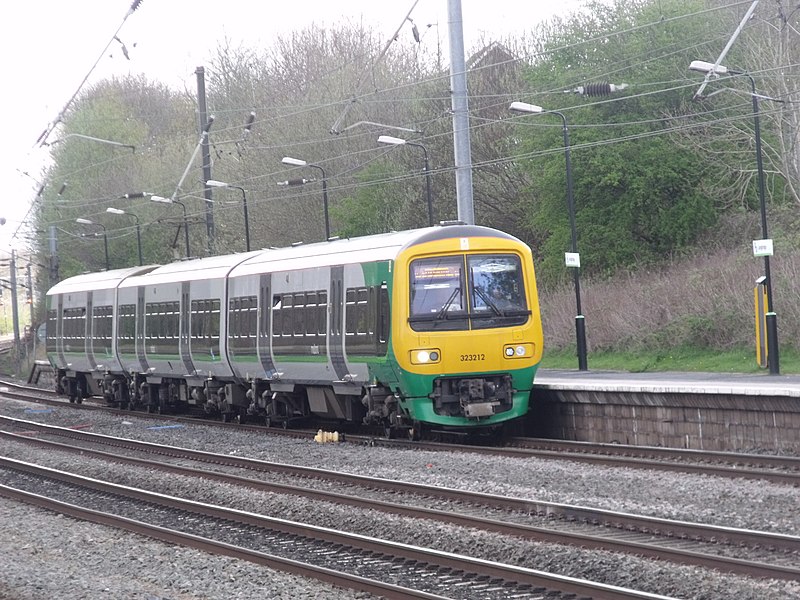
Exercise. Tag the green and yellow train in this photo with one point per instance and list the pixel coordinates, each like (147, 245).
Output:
(433, 328)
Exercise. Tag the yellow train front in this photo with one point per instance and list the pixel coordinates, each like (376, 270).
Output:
(466, 332)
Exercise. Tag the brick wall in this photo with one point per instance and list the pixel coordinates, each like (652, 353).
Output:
(702, 421)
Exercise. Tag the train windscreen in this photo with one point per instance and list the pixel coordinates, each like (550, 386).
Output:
(475, 291)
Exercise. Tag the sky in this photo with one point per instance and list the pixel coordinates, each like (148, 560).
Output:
(49, 47)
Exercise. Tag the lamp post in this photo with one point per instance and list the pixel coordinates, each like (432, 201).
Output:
(185, 221)
(296, 162)
(394, 141)
(572, 259)
(117, 211)
(222, 184)
(83, 221)
(772, 319)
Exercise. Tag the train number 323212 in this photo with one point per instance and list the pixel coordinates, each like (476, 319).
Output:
(472, 357)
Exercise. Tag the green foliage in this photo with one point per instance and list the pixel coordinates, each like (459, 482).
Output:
(687, 358)
(637, 195)
(93, 168)
(375, 207)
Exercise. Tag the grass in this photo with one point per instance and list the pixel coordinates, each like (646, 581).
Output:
(684, 359)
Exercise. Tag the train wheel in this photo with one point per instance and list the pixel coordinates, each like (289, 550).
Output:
(72, 399)
(267, 422)
(389, 432)
(415, 432)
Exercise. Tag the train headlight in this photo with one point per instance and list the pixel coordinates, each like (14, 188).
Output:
(425, 356)
(518, 351)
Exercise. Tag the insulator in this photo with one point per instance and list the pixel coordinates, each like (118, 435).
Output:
(597, 89)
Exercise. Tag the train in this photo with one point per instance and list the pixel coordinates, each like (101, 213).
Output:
(436, 328)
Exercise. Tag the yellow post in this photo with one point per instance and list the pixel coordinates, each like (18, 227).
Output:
(760, 304)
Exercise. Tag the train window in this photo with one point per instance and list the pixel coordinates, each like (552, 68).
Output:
(383, 314)
(350, 321)
(287, 311)
(497, 293)
(299, 314)
(214, 314)
(126, 322)
(277, 315)
(322, 312)
(52, 330)
(310, 315)
(250, 320)
(101, 323)
(437, 293)
(357, 312)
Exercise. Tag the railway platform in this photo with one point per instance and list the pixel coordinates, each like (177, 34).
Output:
(704, 411)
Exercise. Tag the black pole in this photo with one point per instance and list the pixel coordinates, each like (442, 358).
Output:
(324, 200)
(206, 154)
(139, 240)
(773, 358)
(427, 180)
(246, 222)
(428, 190)
(246, 218)
(580, 321)
(185, 228)
(105, 246)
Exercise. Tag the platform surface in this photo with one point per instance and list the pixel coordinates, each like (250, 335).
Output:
(669, 382)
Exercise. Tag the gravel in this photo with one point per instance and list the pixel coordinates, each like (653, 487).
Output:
(64, 558)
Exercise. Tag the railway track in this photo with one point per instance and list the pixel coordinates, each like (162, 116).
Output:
(766, 467)
(746, 552)
(376, 566)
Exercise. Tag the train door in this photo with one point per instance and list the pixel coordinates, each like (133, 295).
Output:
(59, 333)
(264, 324)
(184, 333)
(90, 333)
(140, 348)
(336, 323)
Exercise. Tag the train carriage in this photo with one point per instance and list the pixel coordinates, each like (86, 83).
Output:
(430, 328)
(174, 328)
(81, 328)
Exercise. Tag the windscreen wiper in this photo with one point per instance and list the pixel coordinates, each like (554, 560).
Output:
(443, 313)
(489, 302)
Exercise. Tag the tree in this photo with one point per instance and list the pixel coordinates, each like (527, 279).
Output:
(637, 195)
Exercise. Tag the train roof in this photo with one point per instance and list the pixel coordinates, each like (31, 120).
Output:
(212, 267)
(370, 248)
(101, 280)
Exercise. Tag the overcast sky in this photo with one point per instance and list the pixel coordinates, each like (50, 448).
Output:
(48, 47)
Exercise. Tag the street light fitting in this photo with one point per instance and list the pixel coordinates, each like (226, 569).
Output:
(393, 141)
(83, 221)
(524, 107)
(219, 184)
(133, 195)
(115, 211)
(295, 162)
(155, 198)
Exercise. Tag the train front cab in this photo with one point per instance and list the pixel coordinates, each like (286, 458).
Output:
(467, 334)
